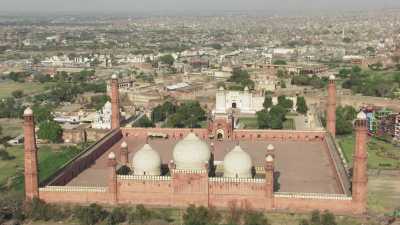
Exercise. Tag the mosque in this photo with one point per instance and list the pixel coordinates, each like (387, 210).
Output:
(271, 170)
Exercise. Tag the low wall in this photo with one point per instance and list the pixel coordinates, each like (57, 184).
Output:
(173, 133)
(301, 202)
(82, 195)
(150, 190)
(83, 160)
(221, 193)
(259, 135)
(224, 191)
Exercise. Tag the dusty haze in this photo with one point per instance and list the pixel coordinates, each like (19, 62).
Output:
(192, 5)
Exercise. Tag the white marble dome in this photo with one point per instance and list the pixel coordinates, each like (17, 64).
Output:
(237, 164)
(191, 153)
(146, 161)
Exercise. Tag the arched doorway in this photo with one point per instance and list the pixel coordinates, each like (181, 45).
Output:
(234, 105)
(220, 134)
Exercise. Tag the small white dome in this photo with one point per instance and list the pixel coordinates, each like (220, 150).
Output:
(191, 153)
(332, 77)
(361, 116)
(270, 147)
(237, 163)
(114, 76)
(221, 88)
(111, 155)
(28, 112)
(146, 161)
(269, 158)
(124, 144)
(246, 88)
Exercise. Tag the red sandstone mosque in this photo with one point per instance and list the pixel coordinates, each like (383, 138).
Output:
(272, 170)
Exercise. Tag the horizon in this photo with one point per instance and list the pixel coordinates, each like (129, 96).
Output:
(195, 7)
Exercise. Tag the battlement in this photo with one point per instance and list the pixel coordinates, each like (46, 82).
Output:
(235, 180)
(144, 178)
(190, 171)
(312, 196)
(72, 189)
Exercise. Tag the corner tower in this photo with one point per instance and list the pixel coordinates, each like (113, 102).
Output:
(360, 178)
(331, 107)
(115, 116)
(30, 157)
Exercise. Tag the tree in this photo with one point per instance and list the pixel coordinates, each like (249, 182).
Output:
(267, 102)
(279, 62)
(98, 101)
(285, 102)
(272, 119)
(91, 214)
(42, 113)
(241, 77)
(188, 114)
(144, 122)
(301, 105)
(201, 216)
(17, 93)
(255, 218)
(328, 218)
(167, 59)
(50, 130)
(315, 218)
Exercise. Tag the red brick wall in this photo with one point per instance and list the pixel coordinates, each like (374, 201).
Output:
(85, 160)
(149, 192)
(173, 133)
(307, 205)
(75, 197)
(279, 135)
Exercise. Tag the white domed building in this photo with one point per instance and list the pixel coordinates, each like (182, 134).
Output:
(237, 164)
(146, 161)
(191, 153)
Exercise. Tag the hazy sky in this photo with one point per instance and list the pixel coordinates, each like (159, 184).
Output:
(193, 5)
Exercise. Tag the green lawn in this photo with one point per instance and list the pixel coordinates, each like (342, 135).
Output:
(50, 160)
(383, 193)
(381, 155)
(6, 88)
(249, 122)
(11, 127)
(288, 124)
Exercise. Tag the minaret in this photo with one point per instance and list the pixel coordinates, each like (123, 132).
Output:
(30, 157)
(124, 154)
(269, 178)
(115, 116)
(331, 107)
(112, 177)
(360, 178)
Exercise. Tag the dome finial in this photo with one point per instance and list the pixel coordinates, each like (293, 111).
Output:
(269, 158)
(124, 144)
(111, 156)
(28, 112)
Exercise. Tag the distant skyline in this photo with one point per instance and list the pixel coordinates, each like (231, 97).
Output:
(275, 6)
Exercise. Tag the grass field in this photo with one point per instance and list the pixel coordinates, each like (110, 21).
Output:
(381, 155)
(11, 171)
(288, 124)
(249, 122)
(7, 87)
(11, 127)
(383, 192)
(252, 123)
